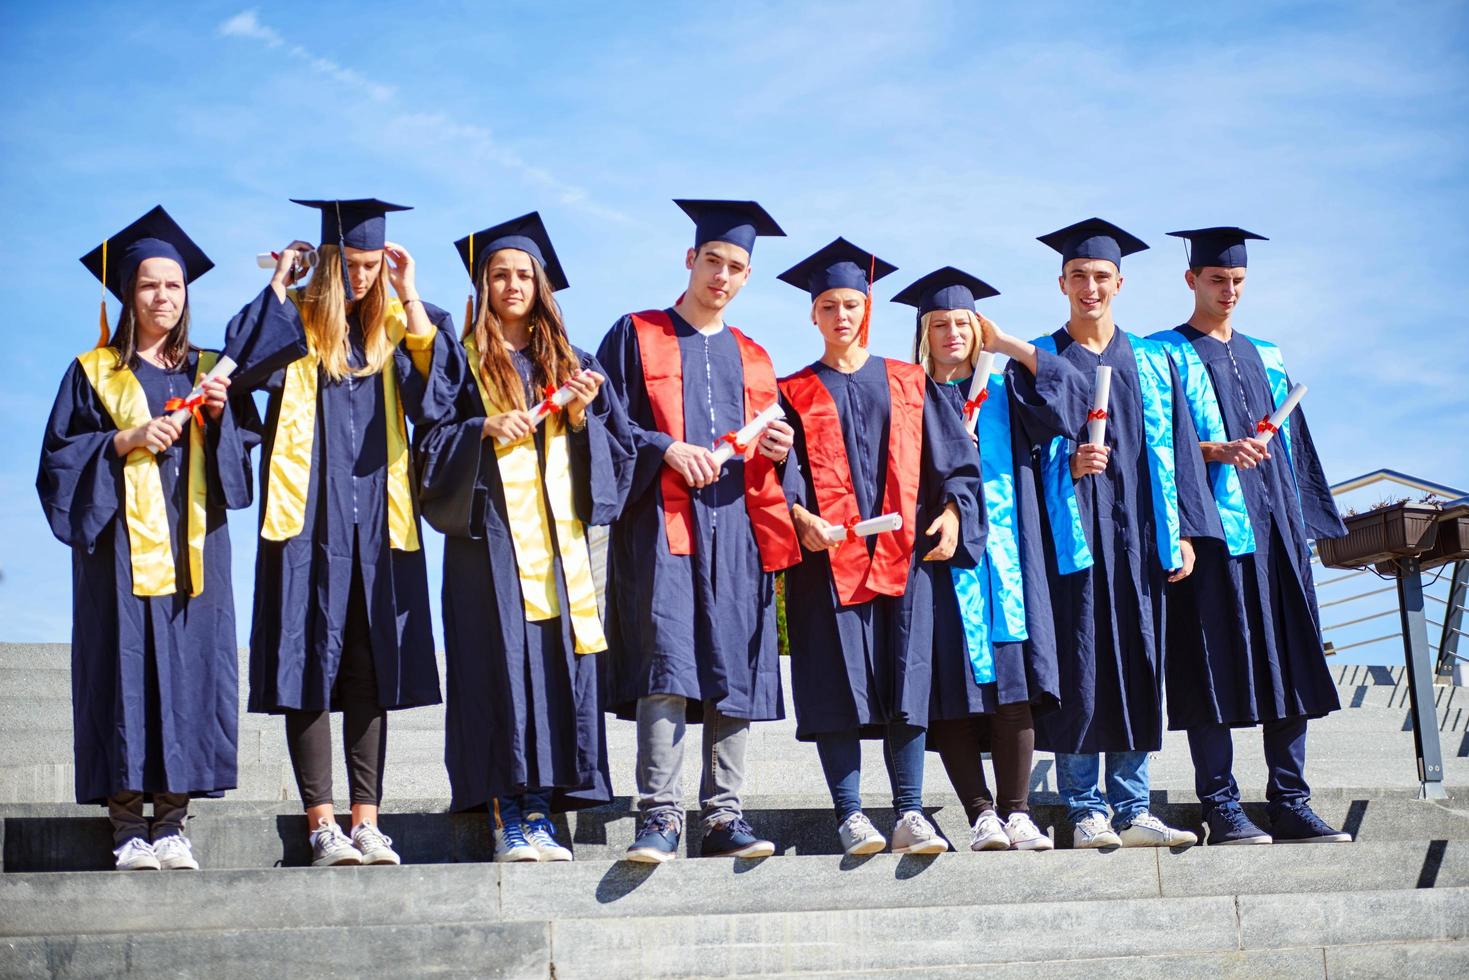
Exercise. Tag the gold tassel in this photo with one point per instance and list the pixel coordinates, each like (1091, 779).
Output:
(104, 332)
(469, 303)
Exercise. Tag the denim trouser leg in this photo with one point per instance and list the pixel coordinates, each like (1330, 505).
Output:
(1076, 780)
(903, 750)
(1127, 785)
(724, 767)
(1285, 755)
(1212, 748)
(841, 761)
(536, 801)
(661, 727)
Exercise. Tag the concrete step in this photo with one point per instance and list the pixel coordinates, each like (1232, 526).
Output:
(1281, 934)
(73, 838)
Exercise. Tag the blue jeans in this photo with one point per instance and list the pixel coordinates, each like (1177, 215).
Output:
(902, 750)
(1212, 747)
(514, 809)
(1127, 785)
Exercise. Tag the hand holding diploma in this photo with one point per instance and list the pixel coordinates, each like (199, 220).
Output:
(1096, 419)
(554, 401)
(1267, 427)
(738, 442)
(979, 389)
(209, 392)
(836, 533)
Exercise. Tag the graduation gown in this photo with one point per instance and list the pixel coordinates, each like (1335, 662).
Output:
(302, 584)
(1025, 670)
(522, 707)
(154, 687)
(1244, 633)
(864, 666)
(1110, 618)
(701, 626)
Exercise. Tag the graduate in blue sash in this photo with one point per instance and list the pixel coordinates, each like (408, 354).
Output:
(873, 437)
(1119, 518)
(1244, 634)
(341, 590)
(522, 632)
(994, 644)
(141, 500)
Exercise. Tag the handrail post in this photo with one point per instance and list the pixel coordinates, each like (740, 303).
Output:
(1453, 621)
(1420, 664)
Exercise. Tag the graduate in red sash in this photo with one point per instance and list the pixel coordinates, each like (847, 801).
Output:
(692, 561)
(141, 501)
(872, 437)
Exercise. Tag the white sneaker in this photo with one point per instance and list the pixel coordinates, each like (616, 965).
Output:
(541, 834)
(175, 853)
(512, 847)
(988, 834)
(376, 846)
(1024, 835)
(1093, 831)
(913, 834)
(1147, 830)
(858, 836)
(136, 854)
(331, 847)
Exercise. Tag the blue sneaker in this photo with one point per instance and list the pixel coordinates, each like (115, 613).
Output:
(511, 844)
(1228, 825)
(735, 839)
(1297, 823)
(657, 839)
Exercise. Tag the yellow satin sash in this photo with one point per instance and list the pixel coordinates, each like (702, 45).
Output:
(530, 531)
(290, 456)
(146, 512)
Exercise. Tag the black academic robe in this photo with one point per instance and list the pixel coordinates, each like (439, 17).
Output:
(1025, 670)
(154, 687)
(861, 667)
(302, 584)
(523, 708)
(1110, 618)
(700, 626)
(1244, 633)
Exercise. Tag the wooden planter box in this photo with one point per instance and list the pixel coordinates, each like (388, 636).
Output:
(1400, 531)
(1452, 543)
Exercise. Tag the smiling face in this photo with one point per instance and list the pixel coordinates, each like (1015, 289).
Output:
(364, 265)
(837, 313)
(717, 272)
(950, 337)
(512, 284)
(159, 294)
(1089, 285)
(1216, 291)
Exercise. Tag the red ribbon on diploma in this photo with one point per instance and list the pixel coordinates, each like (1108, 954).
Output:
(1096, 414)
(734, 442)
(851, 525)
(1264, 426)
(192, 404)
(549, 406)
(972, 405)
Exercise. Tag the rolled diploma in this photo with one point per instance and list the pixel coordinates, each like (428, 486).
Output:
(223, 368)
(267, 260)
(978, 383)
(867, 528)
(1297, 392)
(560, 398)
(753, 430)
(1097, 428)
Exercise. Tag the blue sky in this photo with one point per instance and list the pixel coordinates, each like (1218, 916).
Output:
(941, 133)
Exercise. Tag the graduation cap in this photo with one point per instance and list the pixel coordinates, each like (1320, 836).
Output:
(1223, 247)
(526, 233)
(359, 223)
(153, 236)
(946, 289)
(840, 265)
(1093, 239)
(736, 222)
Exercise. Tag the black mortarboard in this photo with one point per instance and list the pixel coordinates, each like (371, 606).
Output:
(1093, 239)
(359, 223)
(840, 265)
(736, 222)
(947, 289)
(154, 235)
(526, 233)
(1222, 247)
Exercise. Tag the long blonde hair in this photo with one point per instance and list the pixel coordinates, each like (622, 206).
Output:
(553, 360)
(923, 355)
(324, 314)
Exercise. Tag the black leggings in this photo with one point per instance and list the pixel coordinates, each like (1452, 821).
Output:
(364, 722)
(1011, 735)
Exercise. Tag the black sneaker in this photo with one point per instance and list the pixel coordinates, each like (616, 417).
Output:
(1297, 823)
(1228, 825)
(657, 839)
(735, 839)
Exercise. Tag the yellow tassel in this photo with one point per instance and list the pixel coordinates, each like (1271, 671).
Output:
(104, 332)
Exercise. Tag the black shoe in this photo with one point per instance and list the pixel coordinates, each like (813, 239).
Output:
(1297, 823)
(657, 840)
(735, 839)
(1228, 825)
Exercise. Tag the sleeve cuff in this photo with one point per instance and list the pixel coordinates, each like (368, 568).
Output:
(415, 343)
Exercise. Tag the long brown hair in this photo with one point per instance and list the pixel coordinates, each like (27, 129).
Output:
(124, 338)
(324, 314)
(552, 359)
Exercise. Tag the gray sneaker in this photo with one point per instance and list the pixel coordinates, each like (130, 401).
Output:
(1146, 830)
(858, 836)
(1093, 831)
(175, 853)
(376, 846)
(330, 847)
(135, 854)
(913, 834)
(988, 834)
(1024, 834)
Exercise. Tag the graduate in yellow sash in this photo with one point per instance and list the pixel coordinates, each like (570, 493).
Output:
(141, 501)
(522, 631)
(341, 590)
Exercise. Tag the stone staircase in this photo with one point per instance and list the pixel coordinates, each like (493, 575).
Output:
(1395, 903)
